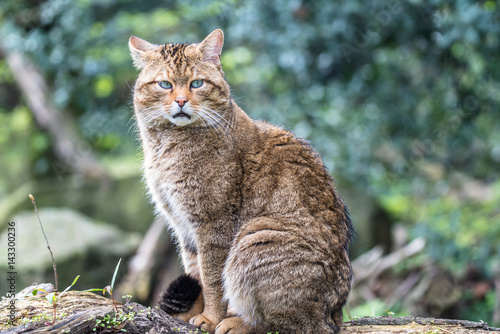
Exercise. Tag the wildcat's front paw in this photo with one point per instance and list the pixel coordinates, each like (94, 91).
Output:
(204, 322)
(234, 325)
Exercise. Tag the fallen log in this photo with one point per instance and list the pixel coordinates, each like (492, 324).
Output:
(437, 323)
(85, 312)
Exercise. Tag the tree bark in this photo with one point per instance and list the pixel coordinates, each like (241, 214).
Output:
(419, 324)
(82, 310)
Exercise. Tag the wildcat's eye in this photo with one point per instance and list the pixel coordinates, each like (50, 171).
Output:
(165, 84)
(196, 83)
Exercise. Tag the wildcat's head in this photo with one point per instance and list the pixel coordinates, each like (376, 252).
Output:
(180, 85)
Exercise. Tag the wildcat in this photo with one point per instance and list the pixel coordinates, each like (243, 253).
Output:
(259, 224)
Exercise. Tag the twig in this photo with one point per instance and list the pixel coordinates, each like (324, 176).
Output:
(46, 240)
(138, 279)
(379, 264)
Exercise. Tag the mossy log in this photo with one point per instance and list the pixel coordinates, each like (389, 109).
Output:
(387, 324)
(84, 311)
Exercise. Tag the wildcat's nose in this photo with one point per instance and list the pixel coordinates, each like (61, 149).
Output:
(181, 100)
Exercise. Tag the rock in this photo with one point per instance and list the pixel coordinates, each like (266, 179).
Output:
(79, 245)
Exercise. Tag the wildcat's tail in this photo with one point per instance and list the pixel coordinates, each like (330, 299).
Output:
(180, 295)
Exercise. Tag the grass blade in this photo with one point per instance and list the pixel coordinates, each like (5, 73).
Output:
(114, 275)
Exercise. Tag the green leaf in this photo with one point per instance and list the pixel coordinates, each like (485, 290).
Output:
(69, 287)
(76, 279)
(114, 275)
(51, 298)
(93, 290)
(35, 291)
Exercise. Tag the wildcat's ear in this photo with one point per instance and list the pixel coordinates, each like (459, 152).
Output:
(138, 48)
(211, 46)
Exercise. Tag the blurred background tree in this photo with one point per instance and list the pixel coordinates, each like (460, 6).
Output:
(401, 98)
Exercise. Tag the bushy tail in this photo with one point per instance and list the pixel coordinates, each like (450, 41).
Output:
(180, 295)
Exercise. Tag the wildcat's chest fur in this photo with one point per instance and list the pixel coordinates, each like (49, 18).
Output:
(177, 173)
(165, 183)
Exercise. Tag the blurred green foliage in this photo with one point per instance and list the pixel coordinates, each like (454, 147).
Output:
(459, 231)
(401, 97)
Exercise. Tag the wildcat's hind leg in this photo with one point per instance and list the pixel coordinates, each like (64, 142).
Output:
(278, 278)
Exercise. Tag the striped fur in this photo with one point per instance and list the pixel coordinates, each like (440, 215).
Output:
(257, 217)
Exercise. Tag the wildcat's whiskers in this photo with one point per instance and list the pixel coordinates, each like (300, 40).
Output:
(215, 120)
